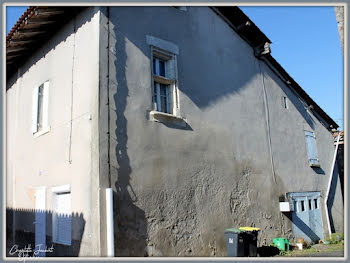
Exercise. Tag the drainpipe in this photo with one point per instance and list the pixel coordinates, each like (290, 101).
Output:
(260, 53)
(109, 190)
(329, 186)
(71, 97)
(109, 222)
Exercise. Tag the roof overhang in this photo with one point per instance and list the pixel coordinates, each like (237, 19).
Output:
(37, 25)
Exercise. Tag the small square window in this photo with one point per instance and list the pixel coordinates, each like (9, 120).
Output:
(285, 102)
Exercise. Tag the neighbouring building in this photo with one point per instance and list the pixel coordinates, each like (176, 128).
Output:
(182, 111)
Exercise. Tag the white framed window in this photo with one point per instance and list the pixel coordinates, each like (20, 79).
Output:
(40, 109)
(165, 97)
(311, 149)
(164, 89)
(62, 215)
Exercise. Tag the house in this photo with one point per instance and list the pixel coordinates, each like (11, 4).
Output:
(147, 131)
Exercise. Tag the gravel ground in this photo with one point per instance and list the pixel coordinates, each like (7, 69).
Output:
(339, 253)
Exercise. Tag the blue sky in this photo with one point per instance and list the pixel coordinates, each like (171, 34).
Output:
(12, 15)
(305, 41)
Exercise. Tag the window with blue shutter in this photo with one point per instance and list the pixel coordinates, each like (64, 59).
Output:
(311, 149)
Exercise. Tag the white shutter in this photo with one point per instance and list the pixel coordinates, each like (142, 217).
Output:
(63, 219)
(46, 105)
(35, 110)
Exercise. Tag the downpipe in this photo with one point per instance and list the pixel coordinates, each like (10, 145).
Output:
(109, 222)
(329, 186)
(109, 190)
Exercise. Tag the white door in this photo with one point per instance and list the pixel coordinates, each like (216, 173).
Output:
(40, 221)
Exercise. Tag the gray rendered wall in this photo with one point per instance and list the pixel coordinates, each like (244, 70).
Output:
(177, 189)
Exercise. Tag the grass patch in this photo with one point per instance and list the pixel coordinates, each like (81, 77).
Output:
(307, 251)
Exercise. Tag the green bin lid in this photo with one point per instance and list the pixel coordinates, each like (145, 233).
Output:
(232, 230)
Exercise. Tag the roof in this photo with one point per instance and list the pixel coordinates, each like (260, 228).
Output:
(35, 26)
(38, 24)
(341, 137)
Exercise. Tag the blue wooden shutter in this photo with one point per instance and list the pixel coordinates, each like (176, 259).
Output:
(311, 148)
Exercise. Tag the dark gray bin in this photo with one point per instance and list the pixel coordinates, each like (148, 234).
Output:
(234, 242)
(240, 243)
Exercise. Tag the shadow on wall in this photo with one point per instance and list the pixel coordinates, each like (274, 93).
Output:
(318, 170)
(20, 232)
(130, 221)
(340, 166)
(303, 227)
(331, 197)
(197, 41)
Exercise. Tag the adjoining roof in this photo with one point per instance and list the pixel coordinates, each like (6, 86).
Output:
(38, 24)
(34, 27)
(341, 137)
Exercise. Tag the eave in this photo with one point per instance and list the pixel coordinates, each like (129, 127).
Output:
(35, 27)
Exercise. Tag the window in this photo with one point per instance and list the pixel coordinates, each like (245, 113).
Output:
(62, 215)
(165, 98)
(40, 109)
(311, 149)
(316, 203)
(310, 201)
(302, 206)
(164, 79)
(284, 102)
(163, 83)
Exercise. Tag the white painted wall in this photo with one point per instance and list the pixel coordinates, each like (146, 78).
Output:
(70, 62)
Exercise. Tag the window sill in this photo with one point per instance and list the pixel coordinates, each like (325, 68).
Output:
(166, 117)
(315, 165)
(163, 80)
(42, 132)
